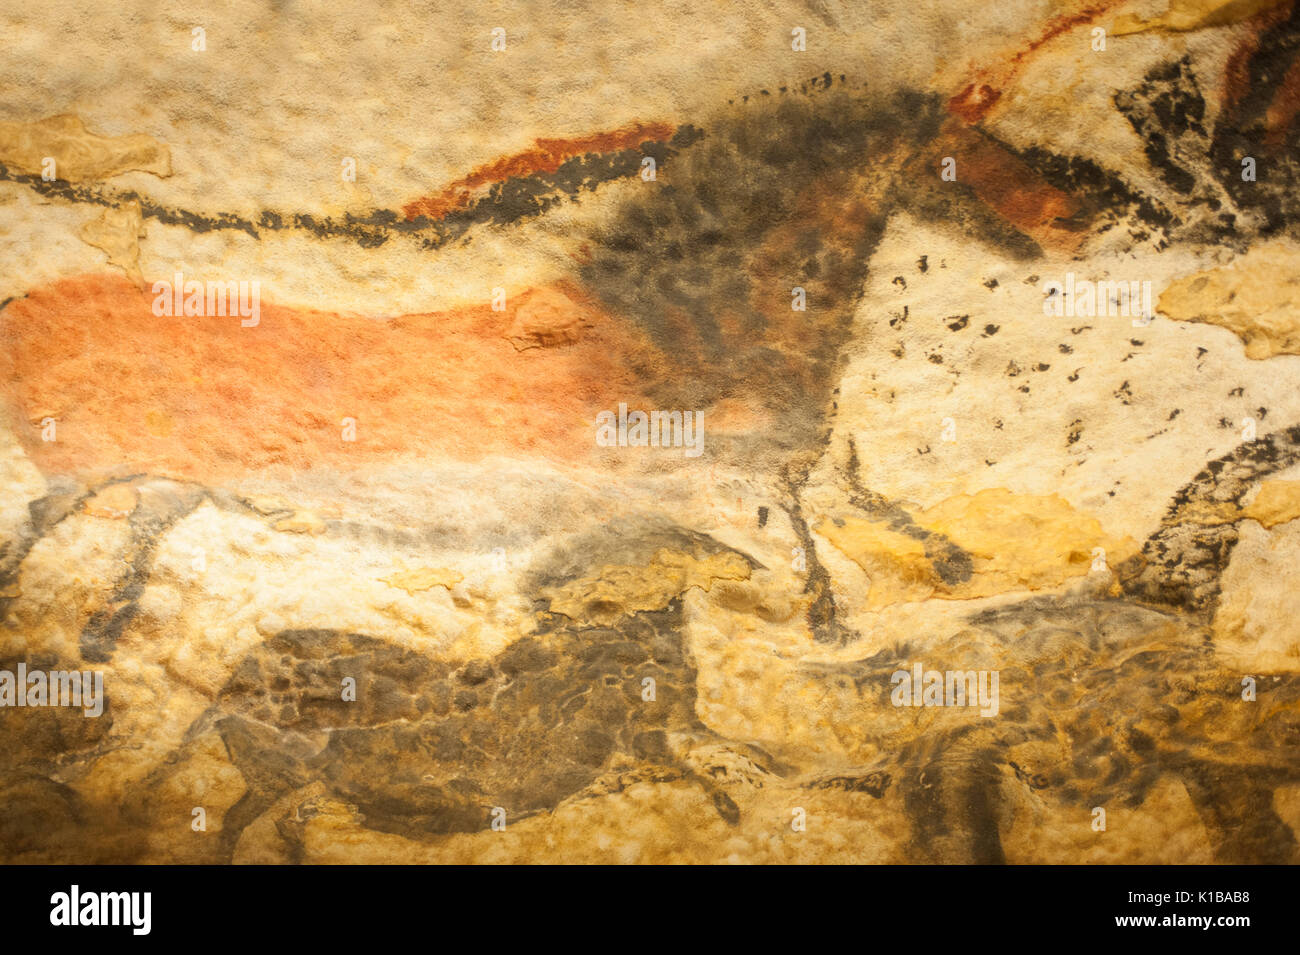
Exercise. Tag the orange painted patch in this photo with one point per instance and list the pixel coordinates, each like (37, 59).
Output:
(1009, 186)
(547, 155)
(974, 102)
(206, 399)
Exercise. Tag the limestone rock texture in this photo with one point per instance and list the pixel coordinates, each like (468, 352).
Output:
(950, 504)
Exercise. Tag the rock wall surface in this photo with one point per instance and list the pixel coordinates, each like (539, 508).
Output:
(961, 530)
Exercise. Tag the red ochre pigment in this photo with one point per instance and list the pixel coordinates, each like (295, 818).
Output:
(204, 398)
(546, 156)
